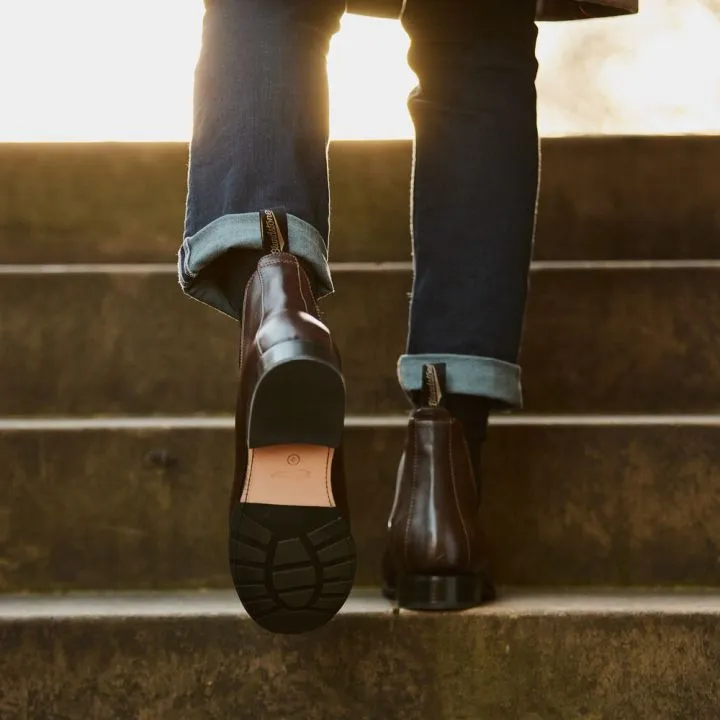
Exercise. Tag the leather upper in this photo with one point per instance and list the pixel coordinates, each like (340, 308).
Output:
(434, 526)
(279, 305)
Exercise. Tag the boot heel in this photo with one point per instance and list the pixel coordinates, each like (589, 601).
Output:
(434, 592)
(299, 398)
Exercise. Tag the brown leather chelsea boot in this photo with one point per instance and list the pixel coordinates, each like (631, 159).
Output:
(292, 556)
(435, 557)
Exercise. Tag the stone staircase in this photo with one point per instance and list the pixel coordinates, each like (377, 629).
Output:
(602, 499)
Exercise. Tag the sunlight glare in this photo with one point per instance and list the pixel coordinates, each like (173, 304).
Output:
(95, 70)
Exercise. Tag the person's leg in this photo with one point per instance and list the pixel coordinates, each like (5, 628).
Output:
(256, 249)
(475, 177)
(474, 197)
(259, 141)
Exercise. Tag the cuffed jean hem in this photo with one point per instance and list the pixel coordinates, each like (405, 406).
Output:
(231, 232)
(467, 375)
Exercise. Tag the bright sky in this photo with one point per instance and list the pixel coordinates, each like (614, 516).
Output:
(83, 70)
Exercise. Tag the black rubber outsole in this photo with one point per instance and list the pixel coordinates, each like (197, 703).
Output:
(434, 593)
(293, 567)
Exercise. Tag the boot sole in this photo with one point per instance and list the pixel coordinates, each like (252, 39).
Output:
(292, 556)
(434, 593)
(299, 398)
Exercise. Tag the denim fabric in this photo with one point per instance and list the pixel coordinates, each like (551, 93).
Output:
(260, 140)
(464, 374)
(212, 269)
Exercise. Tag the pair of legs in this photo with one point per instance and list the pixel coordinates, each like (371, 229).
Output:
(256, 248)
(260, 141)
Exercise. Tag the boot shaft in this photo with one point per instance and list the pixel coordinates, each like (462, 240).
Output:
(434, 526)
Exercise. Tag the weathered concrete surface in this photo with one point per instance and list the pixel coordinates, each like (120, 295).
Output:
(598, 340)
(597, 505)
(601, 198)
(594, 660)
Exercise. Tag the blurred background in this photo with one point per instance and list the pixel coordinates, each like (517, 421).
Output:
(91, 70)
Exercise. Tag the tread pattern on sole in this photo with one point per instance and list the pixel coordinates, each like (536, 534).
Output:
(293, 567)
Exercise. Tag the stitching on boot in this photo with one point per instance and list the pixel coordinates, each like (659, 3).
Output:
(413, 493)
(262, 309)
(262, 293)
(248, 477)
(454, 487)
(328, 480)
(278, 261)
(283, 261)
(302, 294)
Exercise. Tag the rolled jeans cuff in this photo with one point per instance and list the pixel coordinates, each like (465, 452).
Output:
(495, 380)
(242, 231)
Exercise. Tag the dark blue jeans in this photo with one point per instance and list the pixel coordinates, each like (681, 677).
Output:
(260, 140)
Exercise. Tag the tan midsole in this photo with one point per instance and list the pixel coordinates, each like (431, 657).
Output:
(289, 475)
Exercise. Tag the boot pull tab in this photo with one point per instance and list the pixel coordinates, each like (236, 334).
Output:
(433, 384)
(274, 226)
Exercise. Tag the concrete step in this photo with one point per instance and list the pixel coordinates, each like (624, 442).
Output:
(528, 657)
(600, 338)
(602, 198)
(141, 503)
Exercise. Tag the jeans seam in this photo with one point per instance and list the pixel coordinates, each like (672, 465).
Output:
(189, 274)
